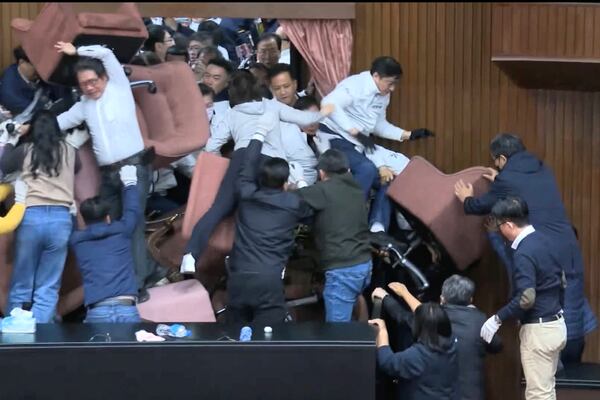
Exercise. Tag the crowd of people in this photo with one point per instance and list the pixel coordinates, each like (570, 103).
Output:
(293, 159)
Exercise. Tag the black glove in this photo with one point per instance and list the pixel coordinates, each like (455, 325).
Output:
(420, 133)
(367, 142)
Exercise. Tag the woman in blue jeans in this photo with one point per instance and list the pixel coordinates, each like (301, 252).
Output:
(47, 163)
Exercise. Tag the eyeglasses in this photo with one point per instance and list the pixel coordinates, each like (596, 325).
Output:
(498, 225)
(90, 82)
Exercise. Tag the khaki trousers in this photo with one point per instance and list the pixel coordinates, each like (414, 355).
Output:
(540, 350)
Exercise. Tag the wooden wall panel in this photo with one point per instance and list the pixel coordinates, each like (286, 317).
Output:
(546, 30)
(8, 11)
(451, 86)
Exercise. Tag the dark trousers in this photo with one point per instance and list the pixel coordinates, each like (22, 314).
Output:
(255, 297)
(367, 176)
(573, 351)
(224, 205)
(111, 189)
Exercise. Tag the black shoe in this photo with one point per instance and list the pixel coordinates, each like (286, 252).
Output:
(143, 295)
(382, 241)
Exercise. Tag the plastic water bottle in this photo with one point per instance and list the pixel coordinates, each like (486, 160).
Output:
(246, 334)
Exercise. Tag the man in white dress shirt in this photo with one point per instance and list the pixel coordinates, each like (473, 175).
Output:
(108, 108)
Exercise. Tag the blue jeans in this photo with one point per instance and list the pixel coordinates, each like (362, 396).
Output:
(112, 313)
(342, 288)
(41, 245)
(367, 176)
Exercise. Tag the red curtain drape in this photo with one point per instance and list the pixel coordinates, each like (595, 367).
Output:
(326, 45)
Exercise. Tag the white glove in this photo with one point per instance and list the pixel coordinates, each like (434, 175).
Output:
(489, 328)
(267, 122)
(128, 175)
(20, 191)
(77, 138)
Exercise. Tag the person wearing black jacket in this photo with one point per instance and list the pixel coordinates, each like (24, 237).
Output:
(522, 174)
(537, 300)
(264, 237)
(430, 366)
(466, 320)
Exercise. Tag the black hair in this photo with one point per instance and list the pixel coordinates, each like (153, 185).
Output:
(94, 210)
(506, 144)
(431, 324)
(333, 162)
(203, 36)
(48, 144)
(305, 102)
(181, 41)
(90, 64)
(243, 88)
(213, 28)
(146, 58)
(386, 67)
(511, 209)
(223, 63)
(178, 51)
(274, 173)
(156, 34)
(206, 90)
(213, 51)
(280, 68)
(19, 54)
(259, 66)
(268, 36)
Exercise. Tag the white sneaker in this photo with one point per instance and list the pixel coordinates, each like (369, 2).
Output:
(188, 264)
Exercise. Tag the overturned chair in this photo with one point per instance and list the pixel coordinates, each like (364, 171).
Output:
(122, 31)
(427, 195)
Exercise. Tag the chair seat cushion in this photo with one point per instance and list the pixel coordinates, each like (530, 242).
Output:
(185, 301)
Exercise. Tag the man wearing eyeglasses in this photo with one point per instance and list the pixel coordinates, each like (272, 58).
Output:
(522, 174)
(108, 108)
(537, 300)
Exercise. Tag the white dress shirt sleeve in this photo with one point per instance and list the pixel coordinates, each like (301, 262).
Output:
(386, 130)
(220, 133)
(71, 118)
(298, 117)
(341, 98)
(114, 70)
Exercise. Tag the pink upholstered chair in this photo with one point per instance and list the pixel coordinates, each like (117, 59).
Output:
(428, 194)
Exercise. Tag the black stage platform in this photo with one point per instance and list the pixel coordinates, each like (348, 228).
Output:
(305, 361)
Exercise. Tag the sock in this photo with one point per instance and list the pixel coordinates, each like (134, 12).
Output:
(377, 227)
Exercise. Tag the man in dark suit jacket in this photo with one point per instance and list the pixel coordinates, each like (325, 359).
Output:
(466, 320)
(264, 234)
(525, 176)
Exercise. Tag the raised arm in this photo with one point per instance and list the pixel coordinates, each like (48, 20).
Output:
(247, 184)
(402, 291)
(132, 212)
(302, 118)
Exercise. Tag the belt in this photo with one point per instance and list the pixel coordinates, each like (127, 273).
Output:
(112, 302)
(144, 157)
(541, 320)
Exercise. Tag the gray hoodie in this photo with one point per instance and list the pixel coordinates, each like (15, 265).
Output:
(240, 122)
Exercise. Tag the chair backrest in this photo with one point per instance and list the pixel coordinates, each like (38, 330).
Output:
(428, 194)
(122, 31)
(172, 119)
